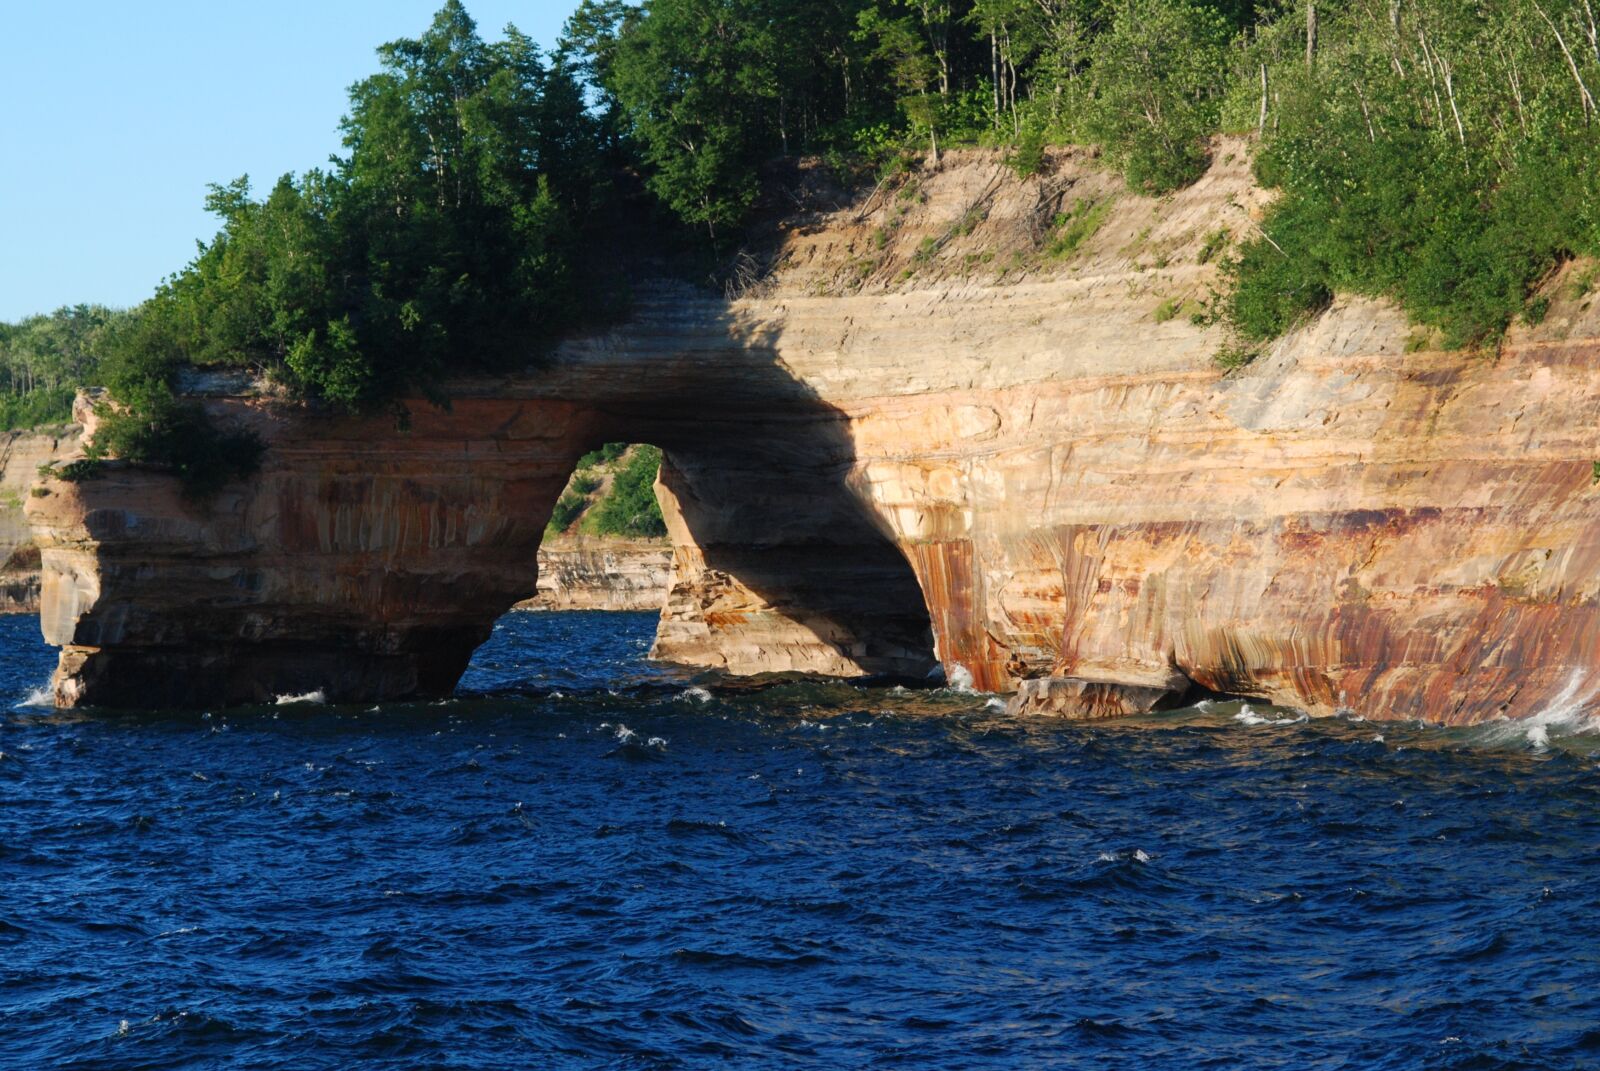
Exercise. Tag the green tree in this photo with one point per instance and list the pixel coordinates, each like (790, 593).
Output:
(695, 79)
(913, 70)
(630, 508)
(44, 359)
(1442, 153)
(1157, 81)
(446, 240)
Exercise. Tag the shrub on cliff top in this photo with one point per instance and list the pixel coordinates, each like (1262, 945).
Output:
(1156, 84)
(1444, 156)
(446, 240)
(1439, 152)
(628, 507)
(567, 509)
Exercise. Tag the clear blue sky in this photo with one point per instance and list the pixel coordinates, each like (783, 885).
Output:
(115, 114)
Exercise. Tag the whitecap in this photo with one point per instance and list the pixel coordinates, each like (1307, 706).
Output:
(959, 679)
(39, 697)
(625, 734)
(1569, 714)
(996, 704)
(1138, 855)
(307, 697)
(1246, 716)
(695, 694)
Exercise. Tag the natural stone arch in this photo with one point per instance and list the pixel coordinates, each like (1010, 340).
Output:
(370, 557)
(1093, 508)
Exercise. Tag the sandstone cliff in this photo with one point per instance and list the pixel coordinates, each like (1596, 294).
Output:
(922, 437)
(21, 454)
(600, 573)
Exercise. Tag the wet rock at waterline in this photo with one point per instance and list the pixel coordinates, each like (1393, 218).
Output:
(1017, 474)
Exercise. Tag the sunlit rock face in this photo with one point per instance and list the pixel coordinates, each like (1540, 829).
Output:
(594, 573)
(21, 455)
(1024, 468)
(367, 560)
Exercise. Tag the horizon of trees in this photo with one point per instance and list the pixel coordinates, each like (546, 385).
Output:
(1442, 153)
(45, 358)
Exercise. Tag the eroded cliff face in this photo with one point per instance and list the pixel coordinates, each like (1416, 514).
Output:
(911, 443)
(601, 573)
(21, 454)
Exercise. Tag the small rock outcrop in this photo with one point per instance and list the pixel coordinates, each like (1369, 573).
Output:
(934, 434)
(21, 455)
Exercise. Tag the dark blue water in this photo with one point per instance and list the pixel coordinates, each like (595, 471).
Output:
(584, 863)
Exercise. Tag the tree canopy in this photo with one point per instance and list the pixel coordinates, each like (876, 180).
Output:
(444, 239)
(44, 359)
(1444, 153)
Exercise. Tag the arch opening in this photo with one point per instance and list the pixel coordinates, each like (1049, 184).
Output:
(708, 542)
(369, 559)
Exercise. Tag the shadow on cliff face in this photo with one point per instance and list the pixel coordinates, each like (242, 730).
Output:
(368, 562)
(787, 570)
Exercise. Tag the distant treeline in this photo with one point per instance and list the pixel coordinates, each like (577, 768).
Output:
(1443, 153)
(45, 359)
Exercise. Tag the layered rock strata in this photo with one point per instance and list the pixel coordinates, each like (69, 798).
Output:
(923, 437)
(21, 455)
(597, 573)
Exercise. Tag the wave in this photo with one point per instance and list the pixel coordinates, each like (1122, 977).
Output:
(1569, 714)
(1246, 716)
(317, 697)
(960, 680)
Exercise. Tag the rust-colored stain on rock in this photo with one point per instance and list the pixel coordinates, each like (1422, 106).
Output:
(1028, 478)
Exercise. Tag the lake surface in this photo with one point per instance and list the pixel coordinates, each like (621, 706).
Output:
(586, 861)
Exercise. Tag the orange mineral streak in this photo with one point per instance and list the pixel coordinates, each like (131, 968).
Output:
(1017, 470)
(953, 587)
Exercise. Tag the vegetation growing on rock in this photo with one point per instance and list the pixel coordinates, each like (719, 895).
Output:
(611, 493)
(447, 239)
(1442, 153)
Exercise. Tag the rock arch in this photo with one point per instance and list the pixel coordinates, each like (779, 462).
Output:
(370, 556)
(1096, 515)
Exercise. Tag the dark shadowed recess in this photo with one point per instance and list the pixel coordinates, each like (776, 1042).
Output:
(760, 466)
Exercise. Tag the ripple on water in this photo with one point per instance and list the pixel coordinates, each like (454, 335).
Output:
(585, 860)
